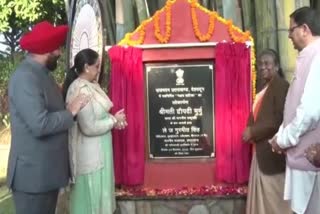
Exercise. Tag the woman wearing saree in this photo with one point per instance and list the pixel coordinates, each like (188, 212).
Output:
(267, 173)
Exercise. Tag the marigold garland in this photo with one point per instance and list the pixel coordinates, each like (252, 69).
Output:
(157, 30)
(142, 34)
(236, 34)
(195, 23)
(253, 70)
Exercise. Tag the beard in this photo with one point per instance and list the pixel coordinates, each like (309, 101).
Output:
(52, 62)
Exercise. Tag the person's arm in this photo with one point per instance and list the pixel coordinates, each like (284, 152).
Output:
(308, 112)
(246, 135)
(263, 130)
(267, 128)
(89, 124)
(28, 99)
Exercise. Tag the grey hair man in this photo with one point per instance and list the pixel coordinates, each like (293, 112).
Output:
(301, 122)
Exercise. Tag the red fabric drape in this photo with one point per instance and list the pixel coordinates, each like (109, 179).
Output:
(232, 107)
(126, 91)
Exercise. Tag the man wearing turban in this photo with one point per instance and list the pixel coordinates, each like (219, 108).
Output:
(38, 162)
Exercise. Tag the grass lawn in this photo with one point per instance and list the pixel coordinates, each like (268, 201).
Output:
(6, 203)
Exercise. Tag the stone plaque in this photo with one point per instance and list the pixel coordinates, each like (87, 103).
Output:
(180, 110)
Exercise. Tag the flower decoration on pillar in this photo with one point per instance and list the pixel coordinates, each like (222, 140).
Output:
(157, 29)
(236, 34)
(195, 23)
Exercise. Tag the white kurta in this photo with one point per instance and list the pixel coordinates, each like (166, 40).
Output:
(300, 184)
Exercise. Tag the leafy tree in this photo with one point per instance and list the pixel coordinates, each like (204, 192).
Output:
(16, 16)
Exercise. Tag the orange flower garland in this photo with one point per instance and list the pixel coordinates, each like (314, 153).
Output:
(253, 70)
(157, 30)
(236, 34)
(195, 23)
(142, 34)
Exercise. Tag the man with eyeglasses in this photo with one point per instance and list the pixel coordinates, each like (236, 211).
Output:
(300, 129)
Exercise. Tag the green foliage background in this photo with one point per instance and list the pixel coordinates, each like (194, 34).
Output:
(7, 67)
(31, 11)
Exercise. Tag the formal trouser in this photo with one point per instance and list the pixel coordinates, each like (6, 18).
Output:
(35, 203)
(313, 205)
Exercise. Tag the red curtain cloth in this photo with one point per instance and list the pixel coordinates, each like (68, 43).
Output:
(126, 91)
(232, 107)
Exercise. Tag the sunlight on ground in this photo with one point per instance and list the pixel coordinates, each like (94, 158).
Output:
(2, 174)
(4, 154)
(6, 204)
(5, 138)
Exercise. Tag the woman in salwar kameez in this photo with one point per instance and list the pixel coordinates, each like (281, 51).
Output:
(90, 140)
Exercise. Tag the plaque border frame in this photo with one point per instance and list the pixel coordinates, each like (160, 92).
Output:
(178, 64)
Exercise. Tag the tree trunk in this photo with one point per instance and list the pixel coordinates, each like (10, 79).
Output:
(302, 3)
(110, 22)
(152, 6)
(266, 25)
(161, 3)
(247, 13)
(66, 4)
(286, 50)
(142, 9)
(231, 10)
(213, 5)
(205, 3)
(218, 6)
(128, 16)
(316, 5)
(119, 20)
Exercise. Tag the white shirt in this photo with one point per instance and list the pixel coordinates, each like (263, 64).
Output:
(299, 184)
